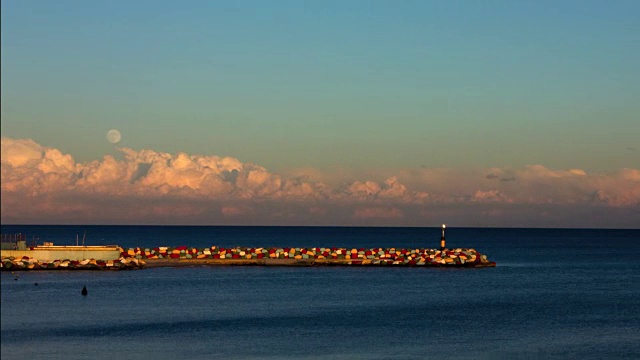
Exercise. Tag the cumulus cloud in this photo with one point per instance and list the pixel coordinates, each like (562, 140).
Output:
(21, 152)
(389, 190)
(41, 184)
(364, 189)
(490, 196)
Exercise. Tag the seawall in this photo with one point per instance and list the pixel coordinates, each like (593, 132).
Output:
(27, 263)
(136, 258)
(78, 253)
(186, 256)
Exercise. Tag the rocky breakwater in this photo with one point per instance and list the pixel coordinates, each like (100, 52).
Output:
(183, 255)
(27, 263)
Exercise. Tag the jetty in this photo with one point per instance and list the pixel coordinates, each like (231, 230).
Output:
(50, 257)
(138, 258)
(314, 256)
(27, 263)
(220, 256)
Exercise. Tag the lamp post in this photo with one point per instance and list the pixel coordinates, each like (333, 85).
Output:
(442, 241)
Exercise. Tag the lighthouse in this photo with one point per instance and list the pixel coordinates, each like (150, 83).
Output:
(442, 241)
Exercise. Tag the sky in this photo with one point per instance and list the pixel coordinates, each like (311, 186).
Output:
(349, 113)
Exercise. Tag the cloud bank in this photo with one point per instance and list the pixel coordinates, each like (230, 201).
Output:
(41, 185)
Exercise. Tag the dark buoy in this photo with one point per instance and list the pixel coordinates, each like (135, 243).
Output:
(36, 284)
(84, 291)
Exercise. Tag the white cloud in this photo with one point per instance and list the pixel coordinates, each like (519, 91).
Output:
(490, 196)
(393, 189)
(41, 182)
(364, 189)
(20, 152)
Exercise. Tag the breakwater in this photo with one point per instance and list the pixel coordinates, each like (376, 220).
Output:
(29, 263)
(165, 256)
(138, 258)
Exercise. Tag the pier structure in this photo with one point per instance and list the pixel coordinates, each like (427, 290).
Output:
(164, 256)
(113, 257)
(52, 252)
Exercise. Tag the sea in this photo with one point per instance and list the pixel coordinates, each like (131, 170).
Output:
(554, 294)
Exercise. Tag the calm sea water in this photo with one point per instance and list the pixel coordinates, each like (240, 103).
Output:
(554, 294)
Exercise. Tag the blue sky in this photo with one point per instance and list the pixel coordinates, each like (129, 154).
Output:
(293, 83)
(360, 85)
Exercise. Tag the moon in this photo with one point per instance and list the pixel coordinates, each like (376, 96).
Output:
(114, 136)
